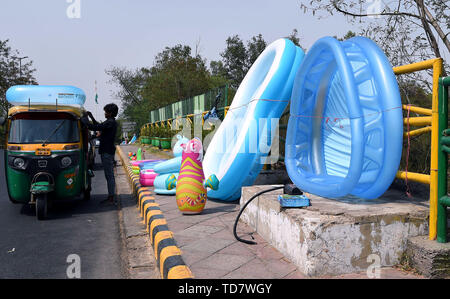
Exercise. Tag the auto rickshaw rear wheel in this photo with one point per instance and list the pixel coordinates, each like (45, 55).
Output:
(41, 206)
(87, 194)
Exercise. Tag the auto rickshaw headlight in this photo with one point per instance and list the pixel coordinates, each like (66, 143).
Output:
(19, 163)
(66, 161)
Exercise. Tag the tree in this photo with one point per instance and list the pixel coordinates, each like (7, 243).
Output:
(407, 30)
(255, 46)
(176, 74)
(217, 68)
(295, 39)
(130, 84)
(238, 58)
(11, 73)
(348, 35)
(234, 59)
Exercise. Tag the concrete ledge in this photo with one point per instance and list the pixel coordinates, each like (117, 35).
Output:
(334, 237)
(168, 255)
(429, 258)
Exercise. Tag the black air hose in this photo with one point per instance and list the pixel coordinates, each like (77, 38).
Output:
(242, 210)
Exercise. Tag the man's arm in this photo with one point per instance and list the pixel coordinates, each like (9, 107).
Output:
(101, 126)
(92, 118)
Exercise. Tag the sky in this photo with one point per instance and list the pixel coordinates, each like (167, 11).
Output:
(75, 46)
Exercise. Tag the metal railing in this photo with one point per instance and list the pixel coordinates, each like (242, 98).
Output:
(431, 119)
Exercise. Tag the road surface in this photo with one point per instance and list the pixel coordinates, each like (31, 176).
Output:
(40, 249)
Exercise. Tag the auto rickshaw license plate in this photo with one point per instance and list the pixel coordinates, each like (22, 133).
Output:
(43, 152)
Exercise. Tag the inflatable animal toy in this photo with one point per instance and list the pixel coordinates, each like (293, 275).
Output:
(191, 184)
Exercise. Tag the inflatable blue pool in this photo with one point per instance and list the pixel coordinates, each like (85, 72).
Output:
(345, 130)
(149, 164)
(236, 152)
(45, 95)
(168, 166)
(160, 184)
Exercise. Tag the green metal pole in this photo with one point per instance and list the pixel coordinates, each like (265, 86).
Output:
(442, 161)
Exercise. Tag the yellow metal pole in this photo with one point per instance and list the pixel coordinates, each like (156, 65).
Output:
(416, 177)
(418, 66)
(419, 110)
(437, 71)
(203, 117)
(418, 121)
(188, 118)
(417, 132)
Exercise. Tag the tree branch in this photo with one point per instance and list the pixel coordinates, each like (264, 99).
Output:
(438, 28)
(396, 13)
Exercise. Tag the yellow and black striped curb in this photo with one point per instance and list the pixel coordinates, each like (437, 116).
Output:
(168, 255)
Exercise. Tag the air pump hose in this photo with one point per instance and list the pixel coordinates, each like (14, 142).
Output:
(242, 210)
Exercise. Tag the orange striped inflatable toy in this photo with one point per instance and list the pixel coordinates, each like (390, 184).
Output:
(191, 191)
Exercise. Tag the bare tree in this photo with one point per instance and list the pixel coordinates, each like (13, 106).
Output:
(407, 30)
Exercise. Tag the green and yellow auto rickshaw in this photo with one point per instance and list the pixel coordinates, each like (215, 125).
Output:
(48, 153)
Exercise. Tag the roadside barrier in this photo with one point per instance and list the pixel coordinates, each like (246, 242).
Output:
(168, 255)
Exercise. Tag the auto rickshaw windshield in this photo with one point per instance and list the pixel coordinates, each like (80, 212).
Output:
(30, 128)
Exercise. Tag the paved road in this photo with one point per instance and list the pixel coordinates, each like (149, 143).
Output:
(39, 249)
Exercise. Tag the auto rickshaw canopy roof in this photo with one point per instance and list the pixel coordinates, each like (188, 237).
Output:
(75, 110)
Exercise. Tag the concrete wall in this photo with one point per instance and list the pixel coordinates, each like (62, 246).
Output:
(335, 237)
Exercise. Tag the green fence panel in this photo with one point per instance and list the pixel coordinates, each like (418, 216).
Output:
(194, 105)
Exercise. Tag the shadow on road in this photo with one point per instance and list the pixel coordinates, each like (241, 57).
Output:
(71, 208)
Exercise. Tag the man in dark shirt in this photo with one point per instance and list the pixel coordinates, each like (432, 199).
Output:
(107, 148)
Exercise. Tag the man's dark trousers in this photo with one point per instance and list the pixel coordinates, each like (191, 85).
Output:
(108, 166)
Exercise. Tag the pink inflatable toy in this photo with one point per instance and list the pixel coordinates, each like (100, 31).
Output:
(147, 177)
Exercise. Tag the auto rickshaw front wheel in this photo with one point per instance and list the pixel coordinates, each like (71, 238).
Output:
(41, 206)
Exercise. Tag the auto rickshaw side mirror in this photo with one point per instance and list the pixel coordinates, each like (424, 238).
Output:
(2, 121)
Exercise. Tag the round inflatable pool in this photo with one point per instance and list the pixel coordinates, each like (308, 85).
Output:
(147, 177)
(242, 139)
(346, 127)
(45, 95)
